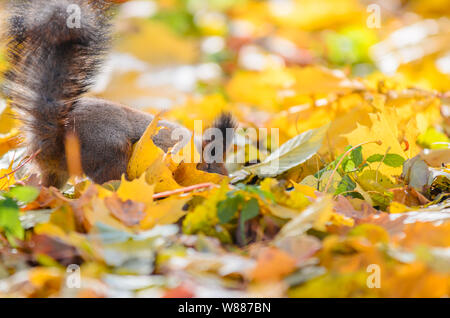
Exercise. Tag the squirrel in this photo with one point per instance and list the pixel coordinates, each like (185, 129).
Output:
(52, 66)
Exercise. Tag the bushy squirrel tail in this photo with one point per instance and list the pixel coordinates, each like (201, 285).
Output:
(55, 48)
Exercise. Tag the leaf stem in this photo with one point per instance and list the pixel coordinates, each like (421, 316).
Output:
(379, 165)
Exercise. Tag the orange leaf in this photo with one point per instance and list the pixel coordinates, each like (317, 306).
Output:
(273, 264)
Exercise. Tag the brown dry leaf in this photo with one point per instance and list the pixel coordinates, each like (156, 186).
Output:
(393, 227)
(92, 191)
(343, 206)
(408, 196)
(72, 238)
(97, 212)
(128, 212)
(54, 248)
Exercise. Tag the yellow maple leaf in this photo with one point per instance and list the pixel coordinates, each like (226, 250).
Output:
(137, 190)
(167, 212)
(187, 174)
(145, 152)
(160, 175)
(384, 128)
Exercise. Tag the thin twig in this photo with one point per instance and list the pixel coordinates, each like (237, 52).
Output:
(183, 190)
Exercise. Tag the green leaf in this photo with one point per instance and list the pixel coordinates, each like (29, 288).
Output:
(9, 220)
(375, 158)
(345, 185)
(264, 195)
(249, 211)
(23, 194)
(356, 156)
(291, 154)
(179, 20)
(355, 194)
(227, 208)
(348, 165)
(393, 160)
(381, 200)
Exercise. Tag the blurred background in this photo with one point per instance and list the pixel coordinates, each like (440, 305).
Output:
(166, 51)
(198, 57)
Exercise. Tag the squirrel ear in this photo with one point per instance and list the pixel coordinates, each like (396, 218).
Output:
(227, 124)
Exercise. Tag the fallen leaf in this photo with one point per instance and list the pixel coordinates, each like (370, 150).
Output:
(290, 154)
(167, 211)
(187, 174)
(136, 190)
(145, 152)
(129, 213)
(272, 264)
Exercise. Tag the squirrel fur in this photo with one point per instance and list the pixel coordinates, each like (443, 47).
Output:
(51, 67)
